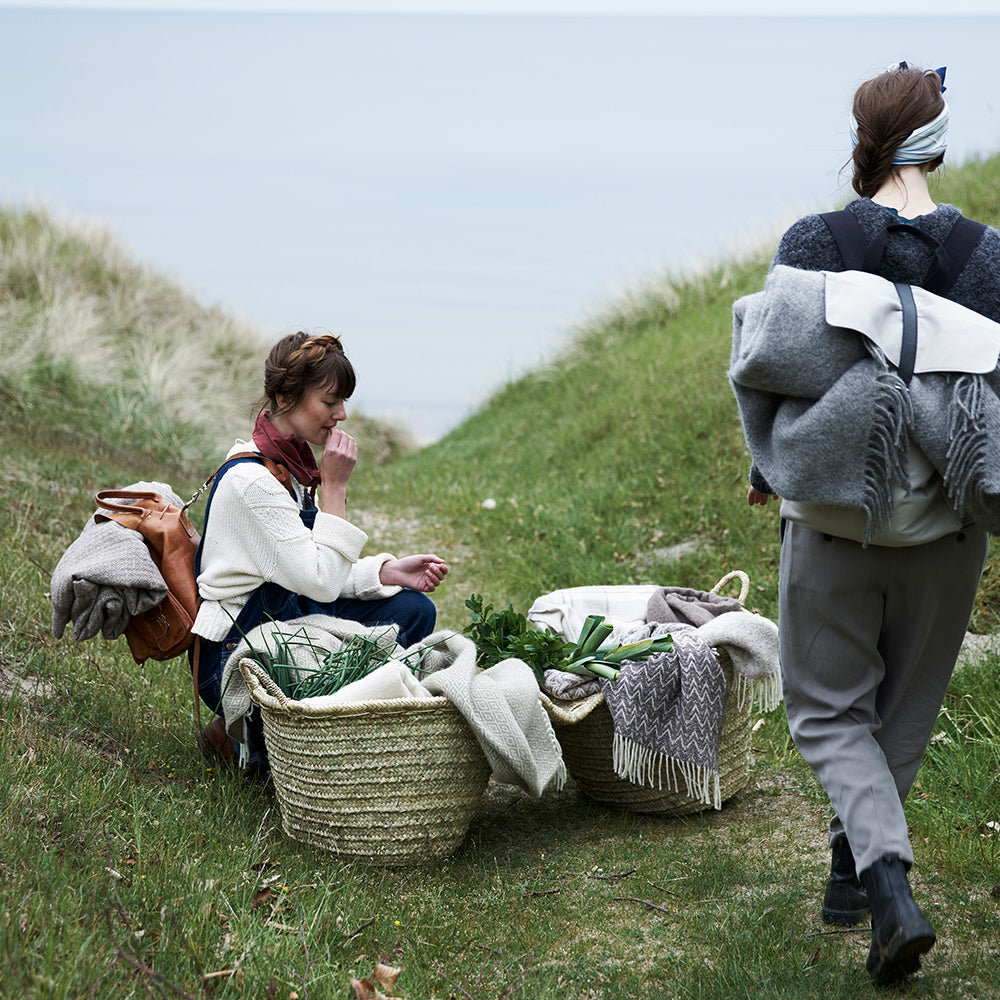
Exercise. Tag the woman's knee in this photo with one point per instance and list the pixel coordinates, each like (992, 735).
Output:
(415, 613)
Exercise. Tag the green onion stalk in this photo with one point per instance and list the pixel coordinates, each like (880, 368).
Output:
(591, 654)
(357, 656)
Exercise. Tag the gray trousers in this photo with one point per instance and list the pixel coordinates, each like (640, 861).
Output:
(868, 642)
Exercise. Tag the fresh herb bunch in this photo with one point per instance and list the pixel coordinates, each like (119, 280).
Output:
(500, 635)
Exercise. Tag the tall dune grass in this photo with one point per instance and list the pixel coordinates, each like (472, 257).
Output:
(135, 357)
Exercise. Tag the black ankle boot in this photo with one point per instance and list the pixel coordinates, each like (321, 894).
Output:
(900, 932)
(845, 902)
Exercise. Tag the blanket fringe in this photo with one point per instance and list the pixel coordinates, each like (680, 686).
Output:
(643, 766)
(892, 415)
(764, 693)
(966, 455)
(558, 780)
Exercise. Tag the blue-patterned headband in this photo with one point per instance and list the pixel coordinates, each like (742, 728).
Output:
(923, 144)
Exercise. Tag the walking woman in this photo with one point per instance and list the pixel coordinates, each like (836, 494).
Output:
(880, 558)
(269, 551)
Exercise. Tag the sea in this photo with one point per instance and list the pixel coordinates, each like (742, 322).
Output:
(455, 196)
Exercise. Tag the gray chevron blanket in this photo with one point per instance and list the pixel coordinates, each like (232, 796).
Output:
(668, 711)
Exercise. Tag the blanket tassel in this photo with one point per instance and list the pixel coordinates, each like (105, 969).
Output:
(649, 768)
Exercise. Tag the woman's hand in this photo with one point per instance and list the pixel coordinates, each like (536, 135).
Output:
(423, 572)
(340, 454)
(755, 496)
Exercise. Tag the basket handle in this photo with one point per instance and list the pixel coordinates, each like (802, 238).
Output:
(744, 584)
(257, 678)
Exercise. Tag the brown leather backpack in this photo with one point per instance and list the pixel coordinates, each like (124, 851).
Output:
(164, 632)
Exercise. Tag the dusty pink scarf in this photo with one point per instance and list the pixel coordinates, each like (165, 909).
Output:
(287, 449)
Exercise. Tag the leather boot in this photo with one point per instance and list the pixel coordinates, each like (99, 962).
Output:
(215, 743)
(845, 902)
(900, 932)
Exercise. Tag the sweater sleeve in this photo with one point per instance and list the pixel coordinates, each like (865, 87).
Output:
(363, 581)
(255, 535)
(810, 246)
(758, 482)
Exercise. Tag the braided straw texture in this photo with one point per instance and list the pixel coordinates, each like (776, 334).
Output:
(586, 734)
(394, 782)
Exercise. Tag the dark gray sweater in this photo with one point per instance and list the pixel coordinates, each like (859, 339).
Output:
(809, 245)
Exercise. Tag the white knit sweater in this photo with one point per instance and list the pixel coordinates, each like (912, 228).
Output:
(255, 535)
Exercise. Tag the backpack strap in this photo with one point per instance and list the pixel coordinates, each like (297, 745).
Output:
(850, 238)
(950, 258)
(860, 254)
(962, 241)
(908, 350)
(282, 475)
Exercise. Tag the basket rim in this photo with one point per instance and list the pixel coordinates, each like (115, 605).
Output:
(255, 677)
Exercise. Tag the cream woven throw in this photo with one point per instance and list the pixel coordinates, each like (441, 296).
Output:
(502, 707)
(668, 711)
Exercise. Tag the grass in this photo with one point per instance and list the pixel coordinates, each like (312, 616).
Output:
(131, 869)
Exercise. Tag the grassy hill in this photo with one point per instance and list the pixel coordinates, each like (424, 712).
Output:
(130, 869)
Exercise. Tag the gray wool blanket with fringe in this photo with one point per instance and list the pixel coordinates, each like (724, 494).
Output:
(106, 576)
(827, 419)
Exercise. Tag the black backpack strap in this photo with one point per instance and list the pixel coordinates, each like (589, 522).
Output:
(851, 240)
(962, 241)
(860, 254)
(908, 350)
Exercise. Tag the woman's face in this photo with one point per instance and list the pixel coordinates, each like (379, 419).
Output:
(314, 416)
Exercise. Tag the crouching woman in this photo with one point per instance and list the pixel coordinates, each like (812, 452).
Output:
(274, 550)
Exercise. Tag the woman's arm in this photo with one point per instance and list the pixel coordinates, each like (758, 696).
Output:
(255, 535)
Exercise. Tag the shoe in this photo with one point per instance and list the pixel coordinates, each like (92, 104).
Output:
(215, 743)
(845, 902)
(900, 931)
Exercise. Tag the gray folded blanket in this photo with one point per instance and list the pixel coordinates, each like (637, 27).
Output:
(828, 420)
(691, 607)
(106, 576)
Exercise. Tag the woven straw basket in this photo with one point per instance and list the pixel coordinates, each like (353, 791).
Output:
(395, 782)
(585, 733)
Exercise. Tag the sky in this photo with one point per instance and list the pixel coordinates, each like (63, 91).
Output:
(454, 195)
(620, 8)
